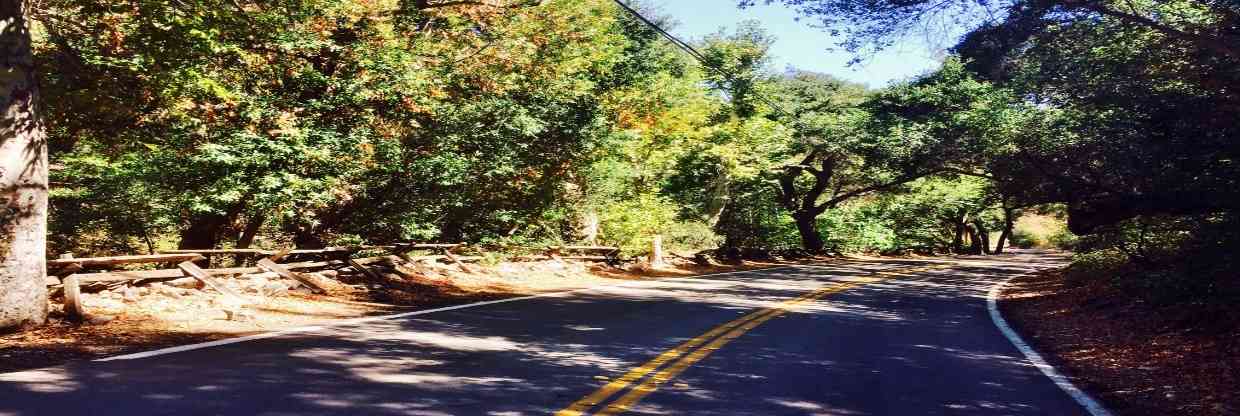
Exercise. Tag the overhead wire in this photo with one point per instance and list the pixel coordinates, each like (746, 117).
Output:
(689, 49)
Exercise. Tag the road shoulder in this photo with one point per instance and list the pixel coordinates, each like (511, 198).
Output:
(158, 321)
(1137, 358)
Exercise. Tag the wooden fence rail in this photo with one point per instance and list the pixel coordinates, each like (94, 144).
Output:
(72, 279)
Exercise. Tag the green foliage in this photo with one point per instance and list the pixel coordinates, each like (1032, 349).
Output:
(691, 236)
(632, 224)
(858, 228)
(317, 122)
(1096, 264)
(757, 221)
(1171, 259)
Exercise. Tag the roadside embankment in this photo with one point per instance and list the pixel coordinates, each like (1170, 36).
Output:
(1137, 357)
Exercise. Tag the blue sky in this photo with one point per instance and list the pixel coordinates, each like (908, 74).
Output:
(797, 43)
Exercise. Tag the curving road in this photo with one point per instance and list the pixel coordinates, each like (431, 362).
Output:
(881, 337)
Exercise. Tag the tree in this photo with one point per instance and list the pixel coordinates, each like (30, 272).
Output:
(1134, 122)
(944, 123)
(869, 26)
(23, 177)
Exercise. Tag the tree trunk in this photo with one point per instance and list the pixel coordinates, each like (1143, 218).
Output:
(983, 236)
(203, 232)
(975, 242)
(1008, 222)
(251, 230)
(23, 177)
(958, 239)
(807, 226)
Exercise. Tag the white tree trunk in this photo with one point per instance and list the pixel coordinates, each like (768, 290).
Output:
(23, 178)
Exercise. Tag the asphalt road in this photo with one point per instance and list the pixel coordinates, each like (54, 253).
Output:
(854, 338)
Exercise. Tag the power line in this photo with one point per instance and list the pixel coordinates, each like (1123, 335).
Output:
(689, 49)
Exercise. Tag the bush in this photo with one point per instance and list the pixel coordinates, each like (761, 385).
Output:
(1101, 264)
(691, 236)
(1026, 239)
(1042, 231)
(1165, 259)
(1063, 240)
(856, 230)
(632, 224)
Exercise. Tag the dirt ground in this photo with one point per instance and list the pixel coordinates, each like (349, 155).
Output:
(140, 318)
(1139, 359)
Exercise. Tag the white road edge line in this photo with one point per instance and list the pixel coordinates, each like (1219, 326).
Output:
(992, 303)
(355, 321)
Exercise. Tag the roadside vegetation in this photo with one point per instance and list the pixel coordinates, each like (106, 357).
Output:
(309, 124)
(325, 123)
(1108, 128)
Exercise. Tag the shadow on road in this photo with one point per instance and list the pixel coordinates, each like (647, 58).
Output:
(911, 339)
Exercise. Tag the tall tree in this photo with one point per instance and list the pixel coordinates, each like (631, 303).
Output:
(23, 177)
(871, 25)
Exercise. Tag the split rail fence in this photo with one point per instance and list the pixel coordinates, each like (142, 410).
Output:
(67, 275)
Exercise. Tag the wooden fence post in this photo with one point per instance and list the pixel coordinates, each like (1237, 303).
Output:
(191, 269)
(314, 284)
(369, 273)
(74, 310)
(656, 252)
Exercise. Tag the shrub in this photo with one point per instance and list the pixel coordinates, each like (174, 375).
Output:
(1042, 231)
(691, 236)
(1100, 264)
(631, 224)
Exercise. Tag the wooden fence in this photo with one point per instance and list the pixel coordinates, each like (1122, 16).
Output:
(69, 274)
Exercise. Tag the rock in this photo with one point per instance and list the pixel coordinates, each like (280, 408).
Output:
(130, 294)
(255, 285)
(292, 284)
(99, 319)
(169, 291)
(239, 315)
(273, 289)
(263, 275)
(184, 282)
(103, 303)
(330, 273)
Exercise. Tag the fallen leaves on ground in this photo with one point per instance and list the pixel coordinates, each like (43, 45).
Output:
(1138, 358)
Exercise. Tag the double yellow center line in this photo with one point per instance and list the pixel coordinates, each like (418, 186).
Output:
(692, 350)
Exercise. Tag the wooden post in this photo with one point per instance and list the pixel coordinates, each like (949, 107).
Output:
(458, 262)
(196, 272)
(279, 255)
(407, 258)
(364, 270)
(554, 253)
(314, 285)
(74, 310)
(656, 252)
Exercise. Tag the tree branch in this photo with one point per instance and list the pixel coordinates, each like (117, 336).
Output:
(873, 188)
(1224, 46)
